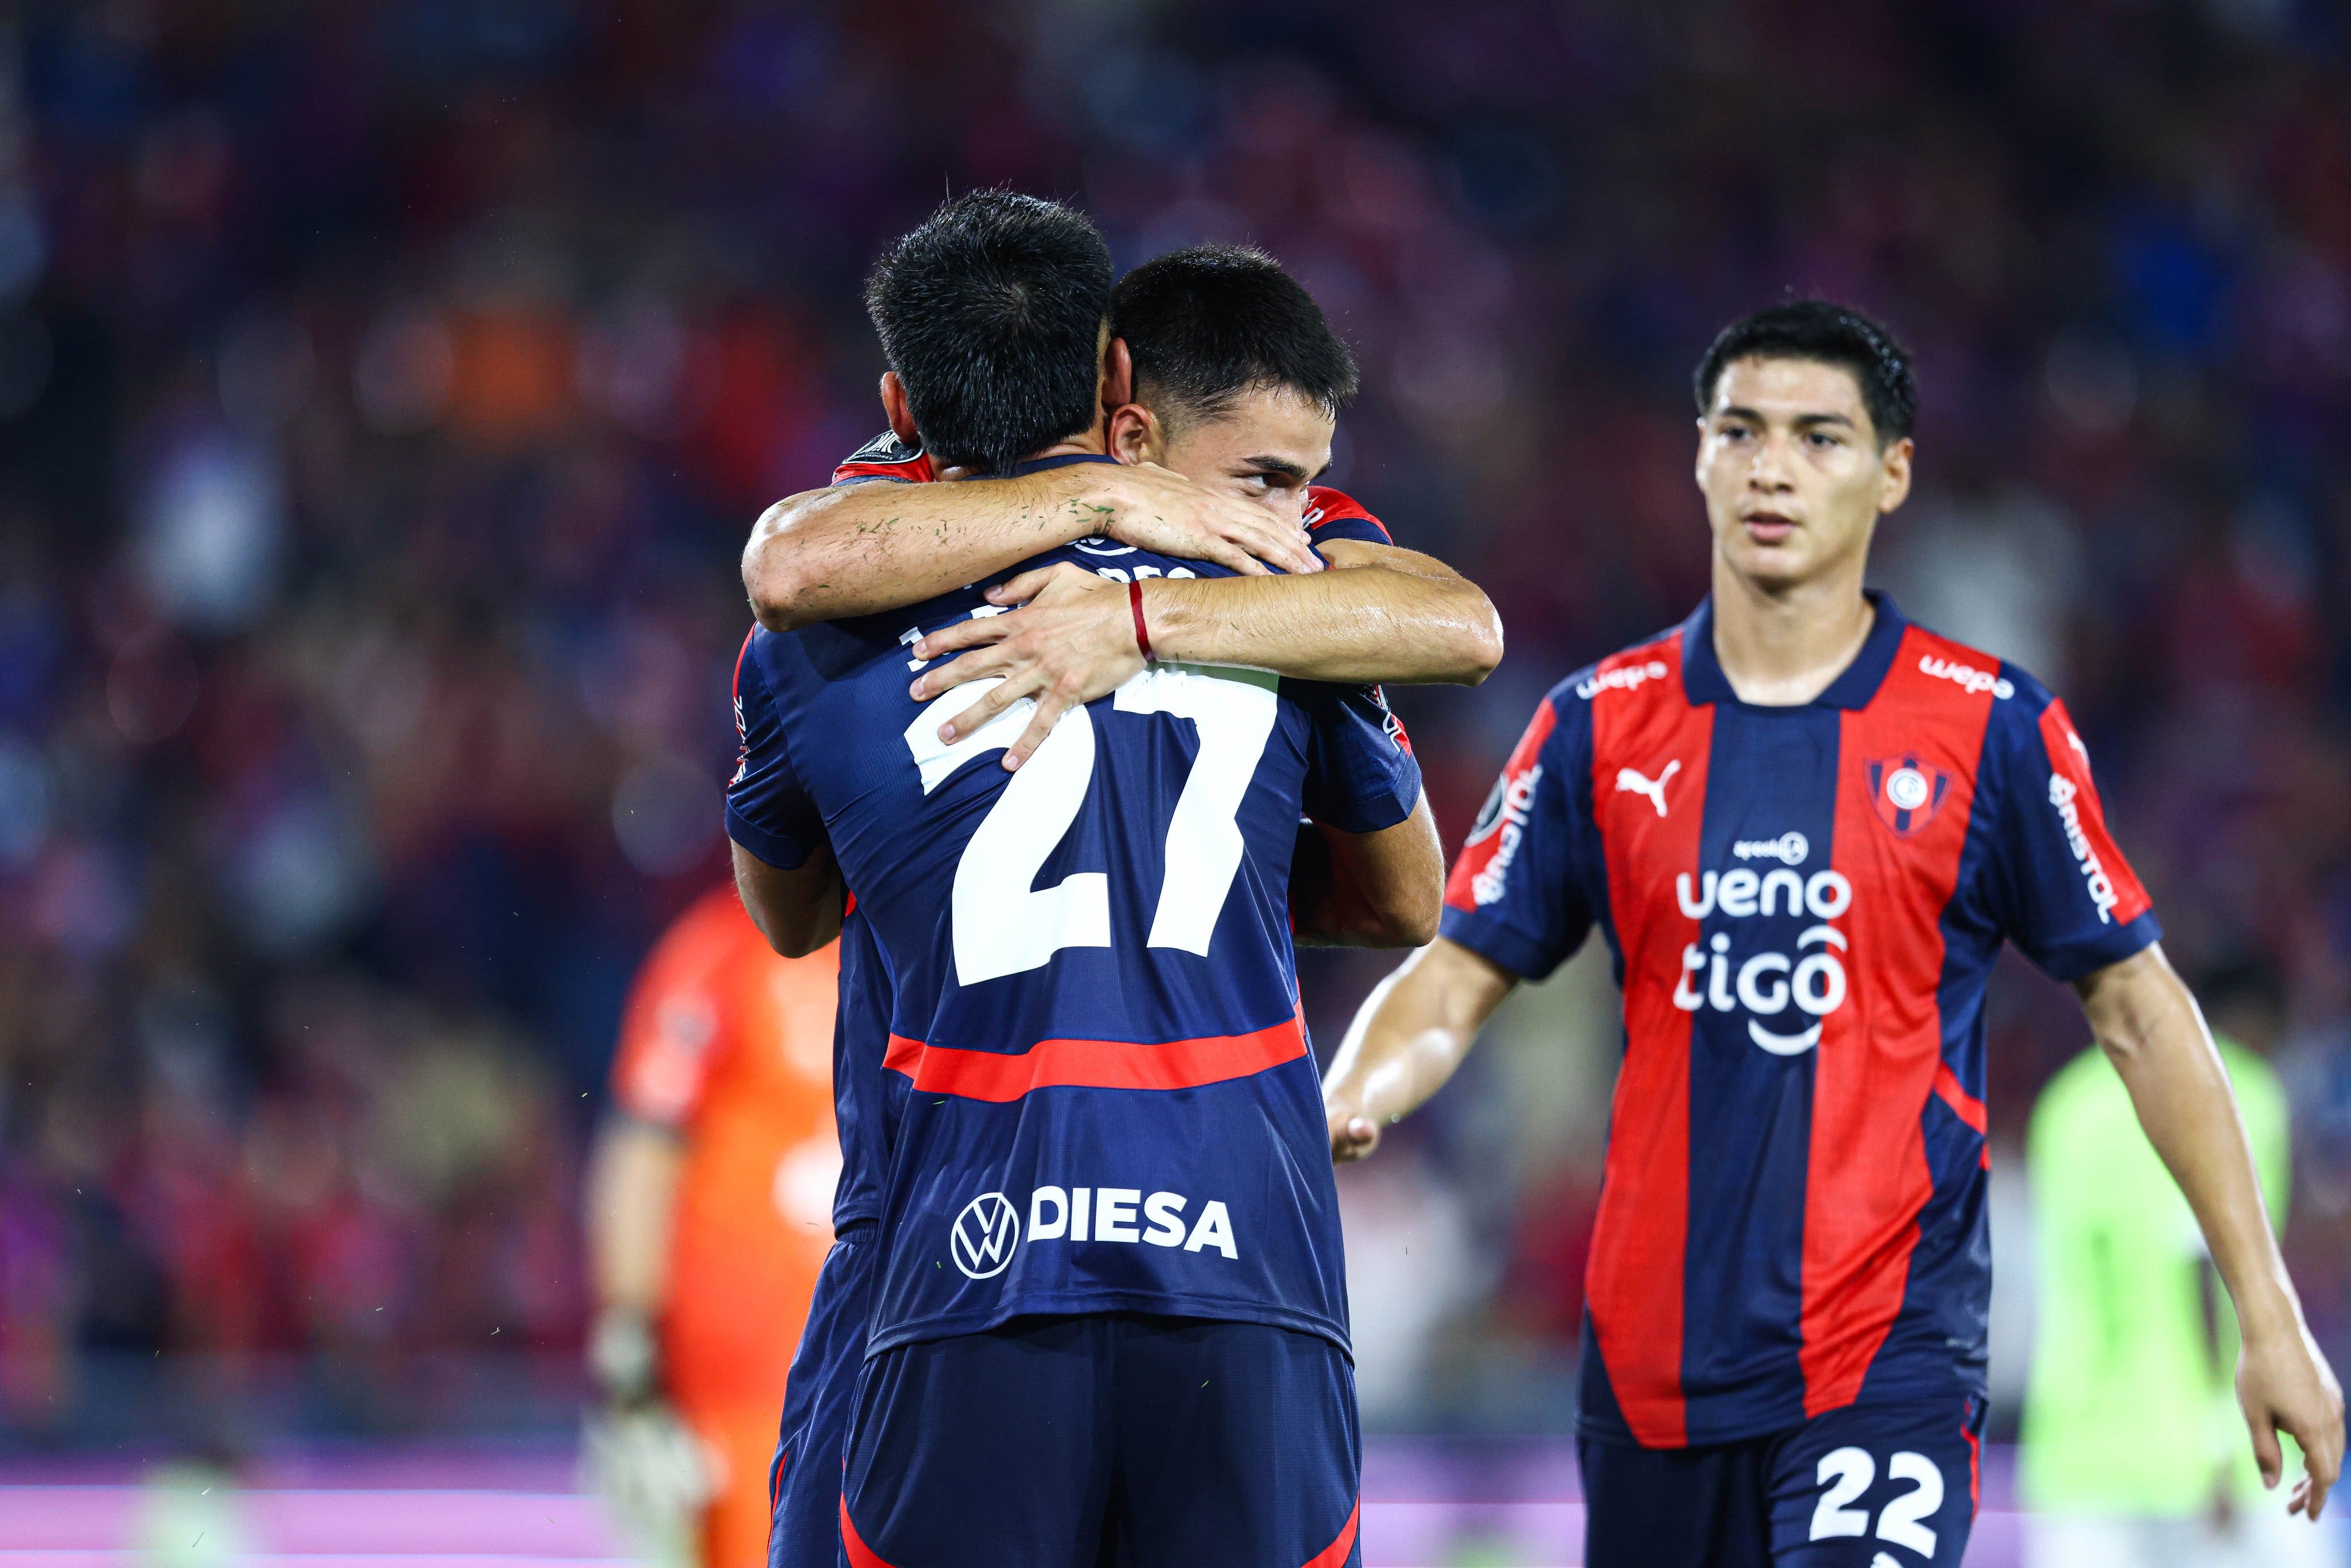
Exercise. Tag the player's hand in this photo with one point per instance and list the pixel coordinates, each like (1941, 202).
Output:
(2284, 1383)
(1160, 510)
(1070, 641)
(1354, 1135)
(653, 1473)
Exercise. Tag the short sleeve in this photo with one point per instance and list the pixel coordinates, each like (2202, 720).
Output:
(767, 811)
(1334, 515)
(1361, 774)
(1514, 895)
(674, 1026)
(2066, 896)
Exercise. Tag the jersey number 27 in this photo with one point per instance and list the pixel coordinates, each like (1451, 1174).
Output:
(1004, 924)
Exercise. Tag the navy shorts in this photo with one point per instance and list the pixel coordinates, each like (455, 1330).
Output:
(1885, 1486)
(1111, 1440)
(805, 1483)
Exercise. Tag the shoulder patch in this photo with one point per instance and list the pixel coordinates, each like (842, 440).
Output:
(1325, 506)
(885, 457)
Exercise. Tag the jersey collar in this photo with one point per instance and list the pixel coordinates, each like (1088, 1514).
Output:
(1703, 681)
(1039, 465)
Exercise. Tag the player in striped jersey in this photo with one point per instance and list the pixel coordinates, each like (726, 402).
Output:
(1804, 827)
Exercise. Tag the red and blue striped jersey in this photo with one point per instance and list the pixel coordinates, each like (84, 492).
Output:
(1803, 905)
(1109, 1102)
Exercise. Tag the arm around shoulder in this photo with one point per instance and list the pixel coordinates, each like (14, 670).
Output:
(860, 549)
(1381, 614)
(1457, 625)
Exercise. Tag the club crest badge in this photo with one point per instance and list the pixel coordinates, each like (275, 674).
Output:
(1906, 792)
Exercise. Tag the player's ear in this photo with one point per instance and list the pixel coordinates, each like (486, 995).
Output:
(901, 412)
(1895, 463)
(1135, 435)
(1118, 375)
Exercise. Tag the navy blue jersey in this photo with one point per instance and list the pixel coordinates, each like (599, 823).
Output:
(865, 1102)
(867, 1098)
(1112, 1106)
(1804, 904)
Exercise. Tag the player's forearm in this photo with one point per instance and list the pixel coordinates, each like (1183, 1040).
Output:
(859, 550)
(1370, 624)
(1413, 1031)
(2149, 1027)
(1382, 889)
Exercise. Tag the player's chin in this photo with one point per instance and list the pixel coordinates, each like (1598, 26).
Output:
(1783, 564)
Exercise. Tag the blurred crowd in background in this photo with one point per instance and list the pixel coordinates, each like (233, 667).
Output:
(386, 390)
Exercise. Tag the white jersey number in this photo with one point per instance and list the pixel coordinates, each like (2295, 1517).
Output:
(1003, 923)
(1847, 1473)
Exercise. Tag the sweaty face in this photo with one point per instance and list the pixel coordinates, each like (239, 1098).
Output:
(1789, 463)
(1267, 447)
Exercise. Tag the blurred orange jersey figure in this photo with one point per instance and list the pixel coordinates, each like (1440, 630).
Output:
(731, 1047)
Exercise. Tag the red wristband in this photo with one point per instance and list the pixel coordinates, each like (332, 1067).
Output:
(1142, 632)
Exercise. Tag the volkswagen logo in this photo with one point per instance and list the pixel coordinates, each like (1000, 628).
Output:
(984, 1234)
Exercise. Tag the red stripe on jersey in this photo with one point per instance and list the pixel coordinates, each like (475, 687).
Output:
(914, 471)
(902, 1055)
(1964, 1105)
(1336, 1553)
(1649, 753)
(999, 1077)
(1503, 821)
(2110, 876)
(1326, 505)
(1867, 1177)
(859, 1554)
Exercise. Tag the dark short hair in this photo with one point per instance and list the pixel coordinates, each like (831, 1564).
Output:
(991, 313)
(1205, 324)
(1832, 335)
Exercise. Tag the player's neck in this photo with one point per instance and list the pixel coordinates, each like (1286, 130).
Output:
(1091, 443)
(1095, 443)
(1780, 645)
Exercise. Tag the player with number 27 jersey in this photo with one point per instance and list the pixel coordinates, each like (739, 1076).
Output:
(1112, 1105)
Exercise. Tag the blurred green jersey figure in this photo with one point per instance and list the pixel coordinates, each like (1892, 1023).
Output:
(2134, 1453)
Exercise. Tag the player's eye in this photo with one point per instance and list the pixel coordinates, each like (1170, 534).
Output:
(1821, 440)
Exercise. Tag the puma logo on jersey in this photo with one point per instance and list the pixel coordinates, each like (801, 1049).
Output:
(1631, 779)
